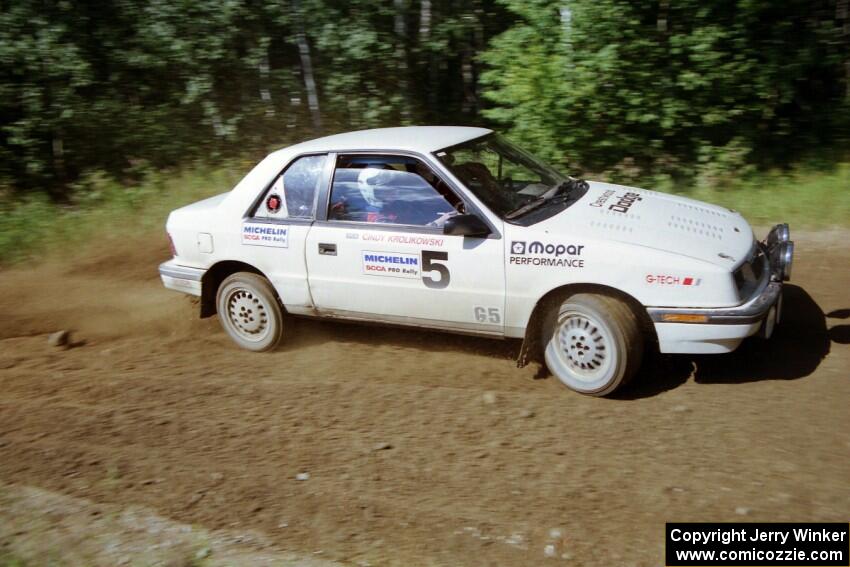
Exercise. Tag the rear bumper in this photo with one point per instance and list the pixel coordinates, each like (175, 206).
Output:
(719, 330)
(181, 278)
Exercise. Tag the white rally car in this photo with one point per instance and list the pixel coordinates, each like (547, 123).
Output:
(456, 229)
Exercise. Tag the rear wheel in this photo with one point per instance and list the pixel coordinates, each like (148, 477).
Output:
(249, 311)
(592, 343)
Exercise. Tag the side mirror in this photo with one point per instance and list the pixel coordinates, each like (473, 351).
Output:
(466, 225)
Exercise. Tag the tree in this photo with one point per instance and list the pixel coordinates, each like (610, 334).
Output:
(658, 86)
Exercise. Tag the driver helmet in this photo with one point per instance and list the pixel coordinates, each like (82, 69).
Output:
(370, 179)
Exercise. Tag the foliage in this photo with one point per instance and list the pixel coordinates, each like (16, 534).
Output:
(668, 94)
(684, 88)
(105, 208)
(123, 84)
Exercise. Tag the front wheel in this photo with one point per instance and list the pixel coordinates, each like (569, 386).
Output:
(592, 343)
(249, 311)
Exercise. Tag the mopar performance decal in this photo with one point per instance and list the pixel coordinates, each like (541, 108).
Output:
(260, 234)
(545, 254)
(390, 264)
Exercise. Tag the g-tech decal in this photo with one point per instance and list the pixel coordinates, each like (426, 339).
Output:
(667, 279)
(546, 254)
(259, 234)
(391, 264)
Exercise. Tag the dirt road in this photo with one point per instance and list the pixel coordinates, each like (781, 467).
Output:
(421, 448)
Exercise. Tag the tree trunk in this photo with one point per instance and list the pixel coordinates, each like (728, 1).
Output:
(307, 67)
(843, 20)
(425, 21)
(661, 21)
(264, 71)
(431, 69)
(400, 29)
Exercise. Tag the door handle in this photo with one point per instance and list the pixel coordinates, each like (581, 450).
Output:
(326, 249)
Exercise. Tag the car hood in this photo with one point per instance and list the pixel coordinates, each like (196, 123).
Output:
(650, 219)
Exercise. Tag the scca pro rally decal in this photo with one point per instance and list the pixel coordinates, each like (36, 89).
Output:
(261, 234)
(391, 264)
(541, 254)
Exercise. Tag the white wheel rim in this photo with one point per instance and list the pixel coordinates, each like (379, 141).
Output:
(584, 347)
(247, 314)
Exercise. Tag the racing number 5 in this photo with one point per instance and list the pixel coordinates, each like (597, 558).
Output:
(430, 259)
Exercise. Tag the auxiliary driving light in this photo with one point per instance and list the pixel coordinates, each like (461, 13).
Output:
(780, 250)
(786, 258)
(778, 234)
(781, 258)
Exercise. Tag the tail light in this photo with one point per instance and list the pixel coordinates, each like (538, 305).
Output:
(171, 245)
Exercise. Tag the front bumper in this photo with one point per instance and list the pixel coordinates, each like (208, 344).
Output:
(181, 278)
(753, 311)
(719, 330)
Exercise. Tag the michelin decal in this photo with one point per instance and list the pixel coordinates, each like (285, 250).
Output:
(264, 234)
(391, 264)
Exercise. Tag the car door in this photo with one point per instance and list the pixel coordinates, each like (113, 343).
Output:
(379, 252)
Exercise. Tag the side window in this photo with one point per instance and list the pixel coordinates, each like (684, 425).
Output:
(292, 193)
(391, 190)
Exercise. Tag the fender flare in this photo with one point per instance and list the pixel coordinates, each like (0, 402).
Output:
(531, 349)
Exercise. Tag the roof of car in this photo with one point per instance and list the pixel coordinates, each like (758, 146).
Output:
(421, 139)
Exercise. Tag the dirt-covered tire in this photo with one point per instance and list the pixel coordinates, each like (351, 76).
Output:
(592, 343)
(249, 311)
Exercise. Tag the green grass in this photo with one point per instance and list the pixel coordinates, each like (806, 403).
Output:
(9, 560)
(808, 199)
(104, 208)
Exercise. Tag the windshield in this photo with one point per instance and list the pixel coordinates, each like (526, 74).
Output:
(502, 175)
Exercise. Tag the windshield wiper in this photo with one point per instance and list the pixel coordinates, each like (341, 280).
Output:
(536, 202)
(570, 185)
(561, 193)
